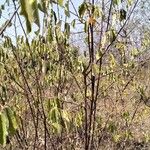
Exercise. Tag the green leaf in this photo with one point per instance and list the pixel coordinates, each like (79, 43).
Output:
(42, 6)
(57, 128)
(112, 61)
(3, 129)
(50, 35)
(60, 2)
(111, 35)
(29, 9)
(79, 119)
(12, 120)
(116, 137)
(57, 102)
(98, 55)
(130, 2)
(123, 14)
(85, 26)
(82, 8)
(73, 23)
(97, 12)
(65, 115)
(55, 115)
(116, 2)
(65, 119)
(126, 115)
(2, 7)
(55, 119)
(95, 68)
(67, 29)
(52, 115)
(112, 127)
(67, 13)
(134, 52)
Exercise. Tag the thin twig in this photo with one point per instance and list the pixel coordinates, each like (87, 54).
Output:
(9, 21)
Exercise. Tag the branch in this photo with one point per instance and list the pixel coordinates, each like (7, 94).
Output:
(8, 22)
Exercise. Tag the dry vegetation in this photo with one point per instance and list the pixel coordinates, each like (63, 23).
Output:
(92, 94)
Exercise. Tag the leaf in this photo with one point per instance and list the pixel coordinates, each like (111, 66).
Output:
(42, 6)
(52, 115)
(57, 102)
(85, 26)
(2, 7)
(123, 14)
(65, 115)
(116, 137)
(60, 2)
(130, 2)
(66, 119)
(111, 35)
(98, 55)
(67, 13)
(50, 35)
(54, 15)
(81, 9)
(114, 18)
(126, 115)
(97, 12)
(73, 23)
(104, 39)
(29, 9)
(12, 120)
(57, 128)
(55, 115)
(134, 52)
(78, 119)
(67, 29)
(95, 68)
(3, 129)
(116, 2)
(112, 127)
(112, 61)
(128, 134)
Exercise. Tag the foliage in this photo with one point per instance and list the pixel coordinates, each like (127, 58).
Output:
(91, 94)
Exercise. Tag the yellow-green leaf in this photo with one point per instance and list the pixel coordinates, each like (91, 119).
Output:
(12, 120)
(130, 2)
(111, 35)
(3, 129)
(29, 9)
(60, 2)
(67, 13)
(57, 128)
(65, 115)
(116, 2)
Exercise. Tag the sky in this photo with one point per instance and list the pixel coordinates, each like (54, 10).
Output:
(7, 13)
